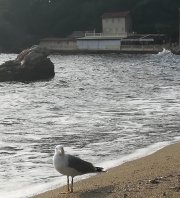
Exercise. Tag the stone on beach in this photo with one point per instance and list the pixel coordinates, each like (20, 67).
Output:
(31, 64)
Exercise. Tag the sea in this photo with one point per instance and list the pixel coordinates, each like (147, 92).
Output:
(105, 108)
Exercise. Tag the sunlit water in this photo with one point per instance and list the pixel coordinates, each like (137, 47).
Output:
(104, 108)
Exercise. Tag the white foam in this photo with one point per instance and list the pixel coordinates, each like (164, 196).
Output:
(28, 191)
(113, 163)
(61, 181)
(136, 155)
(177, 138)
(164, 51)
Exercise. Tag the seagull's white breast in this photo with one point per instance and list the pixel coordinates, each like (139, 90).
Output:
(61, 165)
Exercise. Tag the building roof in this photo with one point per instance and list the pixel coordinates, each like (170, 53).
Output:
(115, 14)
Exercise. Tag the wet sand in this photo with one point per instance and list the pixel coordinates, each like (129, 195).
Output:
(153, 176)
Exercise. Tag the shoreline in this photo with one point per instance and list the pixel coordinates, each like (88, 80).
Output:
(175, 51)
(131, 50)
(86, 52)
(155, 175)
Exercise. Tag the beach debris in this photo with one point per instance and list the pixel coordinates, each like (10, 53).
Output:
(164, 194)
(165, 186)
(72, 166)
(125, 195)
(155, 181)
(176, 188)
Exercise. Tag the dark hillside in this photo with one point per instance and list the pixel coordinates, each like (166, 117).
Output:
(24, 22)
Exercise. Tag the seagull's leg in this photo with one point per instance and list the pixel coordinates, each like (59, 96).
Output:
(72, 185)
(68, 188)
(68, 184)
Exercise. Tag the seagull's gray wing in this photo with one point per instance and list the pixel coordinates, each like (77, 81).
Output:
(80, 165)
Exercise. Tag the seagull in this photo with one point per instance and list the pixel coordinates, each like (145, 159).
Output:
(72, 166)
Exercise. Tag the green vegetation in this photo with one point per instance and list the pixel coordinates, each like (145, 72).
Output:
(24, 22)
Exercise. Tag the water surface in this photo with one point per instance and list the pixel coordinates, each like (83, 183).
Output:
(100, 107)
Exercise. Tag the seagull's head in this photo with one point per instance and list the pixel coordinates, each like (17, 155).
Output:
(59, 150)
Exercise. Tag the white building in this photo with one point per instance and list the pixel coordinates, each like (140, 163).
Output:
(115, 27)
(116, 35)
(98, 43)
(117, 23)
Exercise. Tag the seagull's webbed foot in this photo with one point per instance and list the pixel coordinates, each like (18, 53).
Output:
(68, 188)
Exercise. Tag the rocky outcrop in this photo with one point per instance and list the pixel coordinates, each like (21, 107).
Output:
(30, 65)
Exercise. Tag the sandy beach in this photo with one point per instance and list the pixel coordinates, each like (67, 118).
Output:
(156, 175)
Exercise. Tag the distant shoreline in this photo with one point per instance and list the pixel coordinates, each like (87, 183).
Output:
(155, 175)
(175, 51)
(72, 52)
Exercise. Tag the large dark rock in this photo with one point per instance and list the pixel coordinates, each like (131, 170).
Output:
(31, 64)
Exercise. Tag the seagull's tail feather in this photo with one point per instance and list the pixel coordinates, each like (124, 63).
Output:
(99, 169)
